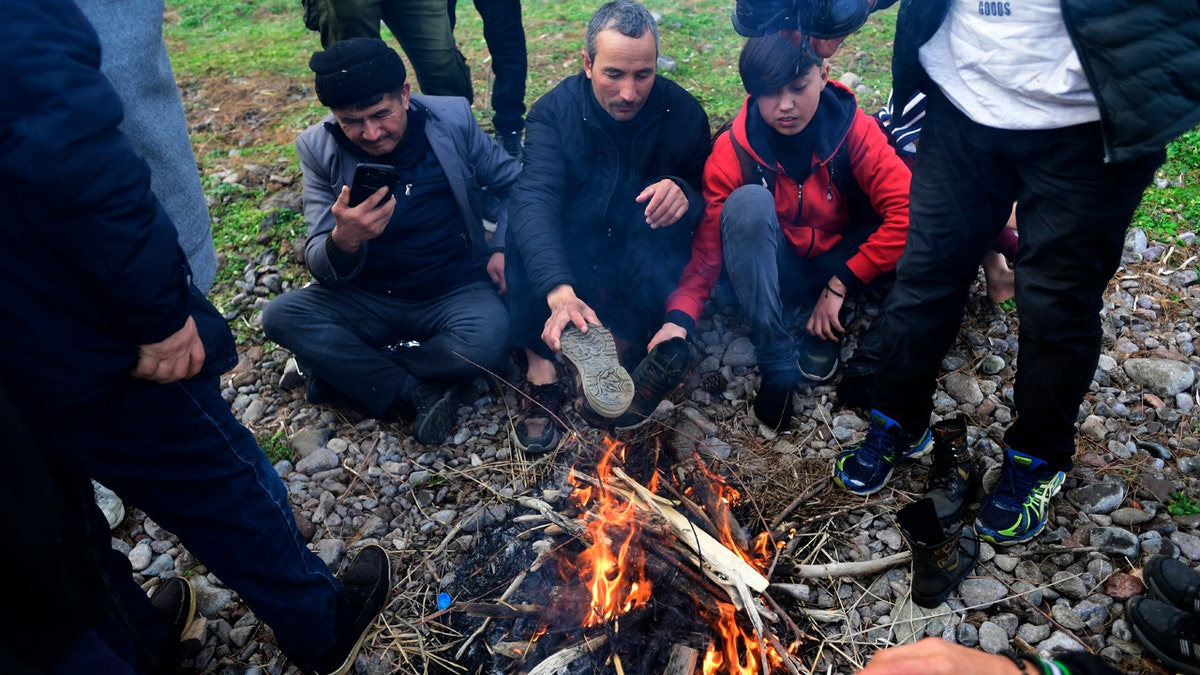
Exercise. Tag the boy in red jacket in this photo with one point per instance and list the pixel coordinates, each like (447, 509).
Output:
(806, 204)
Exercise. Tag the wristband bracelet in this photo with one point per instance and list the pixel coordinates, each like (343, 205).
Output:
(830, 289)
(1017, 660)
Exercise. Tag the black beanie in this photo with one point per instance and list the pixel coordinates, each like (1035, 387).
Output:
(355, 69)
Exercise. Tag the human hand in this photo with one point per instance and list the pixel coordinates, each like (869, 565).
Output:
(178, 357)
(669, 330)
(665, 203)
(495, 270)
(935, 656)
(824, 322)
(565, 308)
(355, 224)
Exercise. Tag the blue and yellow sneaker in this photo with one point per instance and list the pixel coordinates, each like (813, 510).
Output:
(1015, 511)
(867, 465)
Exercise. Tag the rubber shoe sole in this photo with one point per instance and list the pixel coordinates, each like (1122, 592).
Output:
(607, 387)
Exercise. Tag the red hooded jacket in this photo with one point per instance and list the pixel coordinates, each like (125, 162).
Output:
(815, 227)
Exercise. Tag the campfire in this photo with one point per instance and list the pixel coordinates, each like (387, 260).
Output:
(645, 575)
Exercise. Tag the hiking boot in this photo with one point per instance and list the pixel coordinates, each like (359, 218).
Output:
(942, 557)
(512, 144)
(1015, 510)
(657, 375)
(435, 408)
(366, 583)
(818, 358)
(176, 598)
(606, 385)
(953, 479)
(538, 430)
(1170, 634)
(866, 466)
(110, 504)
(1173, 582)
(773, 405)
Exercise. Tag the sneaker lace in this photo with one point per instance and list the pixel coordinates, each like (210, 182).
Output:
(873, 450)
(1017, 486)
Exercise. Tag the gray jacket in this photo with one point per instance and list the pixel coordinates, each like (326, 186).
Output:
(471, 159)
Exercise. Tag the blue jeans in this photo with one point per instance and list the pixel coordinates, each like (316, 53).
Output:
(177, 453)
(1072, 211)
(338, 333)
(765, 272)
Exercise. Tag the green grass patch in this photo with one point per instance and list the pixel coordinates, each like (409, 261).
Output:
(276, 447)
(1171, 204)
(1180, 504)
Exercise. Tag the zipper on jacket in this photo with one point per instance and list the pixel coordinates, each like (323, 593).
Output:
(408, 190)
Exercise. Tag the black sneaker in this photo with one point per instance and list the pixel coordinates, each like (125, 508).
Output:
(512, 143)
(818, 358)
(435, 408)
(953, 480)
(1173, 582)
(656, 376)
(773, 405)
(366, 584)
(537, 431)
(866, 466)
(606, 385)
(176, 598)
(1170, 634)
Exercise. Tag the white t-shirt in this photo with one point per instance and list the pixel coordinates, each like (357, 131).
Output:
(1009, 64)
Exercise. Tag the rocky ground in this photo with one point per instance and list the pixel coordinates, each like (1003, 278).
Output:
(355, 480)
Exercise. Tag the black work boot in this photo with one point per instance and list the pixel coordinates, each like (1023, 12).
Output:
(942, 557)
(954, 477)
(656, 376)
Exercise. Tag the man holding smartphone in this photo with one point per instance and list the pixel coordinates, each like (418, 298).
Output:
(403, 311)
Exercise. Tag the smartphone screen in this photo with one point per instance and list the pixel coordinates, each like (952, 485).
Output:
(370, 177)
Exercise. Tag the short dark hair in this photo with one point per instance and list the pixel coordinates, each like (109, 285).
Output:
(771, 61)
(627, 17)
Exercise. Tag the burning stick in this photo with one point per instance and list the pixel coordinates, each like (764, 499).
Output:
(566, 657)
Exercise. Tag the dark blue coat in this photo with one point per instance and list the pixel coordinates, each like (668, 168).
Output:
(557, 219)
(89, 262)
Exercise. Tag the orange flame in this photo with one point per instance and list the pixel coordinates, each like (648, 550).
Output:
(612, 568)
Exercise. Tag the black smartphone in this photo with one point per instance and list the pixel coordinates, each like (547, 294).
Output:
(370, 177)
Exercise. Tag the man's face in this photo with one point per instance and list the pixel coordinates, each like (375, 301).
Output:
(790, 108)
(622, 73)
(379, 129)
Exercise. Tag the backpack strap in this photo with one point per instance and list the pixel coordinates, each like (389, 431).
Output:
(753, 173)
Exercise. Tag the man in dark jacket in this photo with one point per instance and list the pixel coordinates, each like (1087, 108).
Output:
(603, 215)
(109, 347)
(1063, 106)
(403, 311)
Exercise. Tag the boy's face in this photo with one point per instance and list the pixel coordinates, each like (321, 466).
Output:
(790, 108)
